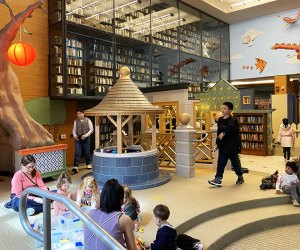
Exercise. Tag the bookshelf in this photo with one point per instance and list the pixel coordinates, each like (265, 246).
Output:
(253, 133)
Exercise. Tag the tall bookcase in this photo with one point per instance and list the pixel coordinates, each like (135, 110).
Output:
(253, 133)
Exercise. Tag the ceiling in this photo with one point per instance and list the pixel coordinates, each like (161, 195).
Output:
(222, 10)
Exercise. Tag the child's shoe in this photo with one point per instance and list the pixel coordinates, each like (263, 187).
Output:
(240, 180)
(30, 211)
(295, 203)
(216, 182)
(197, 246)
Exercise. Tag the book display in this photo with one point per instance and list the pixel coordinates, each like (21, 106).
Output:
(253, 133)
(90, 41)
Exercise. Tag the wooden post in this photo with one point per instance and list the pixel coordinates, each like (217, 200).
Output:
(97, 131)
(152, 117)
(119, 134)
(130, 132)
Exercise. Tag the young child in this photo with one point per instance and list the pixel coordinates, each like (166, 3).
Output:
(289, 183)
(62, 184)
(229, 145)
(166, 234)
(88, 193)
(131, 206)
(286, 138)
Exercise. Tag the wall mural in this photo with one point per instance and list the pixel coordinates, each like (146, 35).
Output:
(271, 51)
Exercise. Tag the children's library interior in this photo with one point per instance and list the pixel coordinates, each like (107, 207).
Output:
(147, 124)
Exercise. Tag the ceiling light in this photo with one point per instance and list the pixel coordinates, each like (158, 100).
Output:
(138, 24)
(124, 5)
(182, 19)
(83, 7)
(242, 3)
(252, 82)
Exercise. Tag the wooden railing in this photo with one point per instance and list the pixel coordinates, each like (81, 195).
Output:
(166, 146)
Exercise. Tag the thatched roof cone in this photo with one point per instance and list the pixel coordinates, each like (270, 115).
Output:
(123, 98)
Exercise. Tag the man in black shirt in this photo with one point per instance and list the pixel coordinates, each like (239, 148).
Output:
(229, 145)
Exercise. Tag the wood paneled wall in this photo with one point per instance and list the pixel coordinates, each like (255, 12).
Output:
(33, 78)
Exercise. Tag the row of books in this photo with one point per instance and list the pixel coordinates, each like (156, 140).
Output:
(254, 137)
(245, 128)
(252, 145)
(250, 119)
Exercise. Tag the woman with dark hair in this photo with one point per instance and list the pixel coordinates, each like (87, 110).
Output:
(27, 176)
(111, 219)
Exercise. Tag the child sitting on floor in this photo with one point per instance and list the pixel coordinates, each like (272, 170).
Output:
(62, 184)
(289, 183)
(166, 234)
(88, 193)
(131, 206)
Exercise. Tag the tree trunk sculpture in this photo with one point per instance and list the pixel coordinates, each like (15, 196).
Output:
(23, 130)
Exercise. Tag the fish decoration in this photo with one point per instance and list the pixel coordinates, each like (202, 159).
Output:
(260, 64)
(249, 36)
(288, 46)
(289, 20)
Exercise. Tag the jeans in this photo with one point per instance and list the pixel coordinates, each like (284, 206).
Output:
(222, 161)
(293, 190)
(286, 153)
(85, 146)
(38, 207)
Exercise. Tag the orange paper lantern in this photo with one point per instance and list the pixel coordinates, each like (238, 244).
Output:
(21, 54)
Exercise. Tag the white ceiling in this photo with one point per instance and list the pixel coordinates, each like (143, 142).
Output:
(222, 10)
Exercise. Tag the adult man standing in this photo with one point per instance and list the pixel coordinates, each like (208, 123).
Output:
(82, 130)
(229, 145)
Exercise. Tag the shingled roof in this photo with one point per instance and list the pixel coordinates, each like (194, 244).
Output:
(124, 98)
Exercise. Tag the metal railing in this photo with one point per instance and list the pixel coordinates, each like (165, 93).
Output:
(46, 236)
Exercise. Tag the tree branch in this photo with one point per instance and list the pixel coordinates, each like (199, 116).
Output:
(8, 33)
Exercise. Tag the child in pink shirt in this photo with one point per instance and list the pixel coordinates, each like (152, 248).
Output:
(62, 184)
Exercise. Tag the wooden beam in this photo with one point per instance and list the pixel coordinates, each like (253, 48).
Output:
(127, 120)
(112, 120)
(152, 117)
(119, 134)
(130, 132)
(97, 131)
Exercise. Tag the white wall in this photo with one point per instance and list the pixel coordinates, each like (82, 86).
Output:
(181, 95)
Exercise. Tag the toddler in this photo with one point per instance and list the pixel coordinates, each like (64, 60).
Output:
(289, 183)
(131, 206)
(166, 234)
(62, 184)
(88, 193)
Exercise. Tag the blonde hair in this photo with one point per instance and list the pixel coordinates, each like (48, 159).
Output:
(91, 182)
(128, 195)
(63, 179)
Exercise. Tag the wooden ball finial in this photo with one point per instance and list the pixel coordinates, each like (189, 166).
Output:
(124, 73)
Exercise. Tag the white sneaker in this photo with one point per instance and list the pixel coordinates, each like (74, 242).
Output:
(89, 166)
(75, 170)
(198, 246)
(30, 211)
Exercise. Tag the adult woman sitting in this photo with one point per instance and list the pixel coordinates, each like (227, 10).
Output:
(27, 176)
(111, 219)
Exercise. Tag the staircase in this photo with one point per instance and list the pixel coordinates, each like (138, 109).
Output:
(221, 226)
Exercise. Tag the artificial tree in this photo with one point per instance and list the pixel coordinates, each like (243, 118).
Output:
(24, 132)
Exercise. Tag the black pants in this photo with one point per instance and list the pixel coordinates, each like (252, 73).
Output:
(222, 161)
(286, 153)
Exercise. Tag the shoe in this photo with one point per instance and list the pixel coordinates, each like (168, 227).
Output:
(240, 180)
(30, 211)
(89, 166)
(295, 203)
(197, 246)
(75, 170)
(216, 182)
